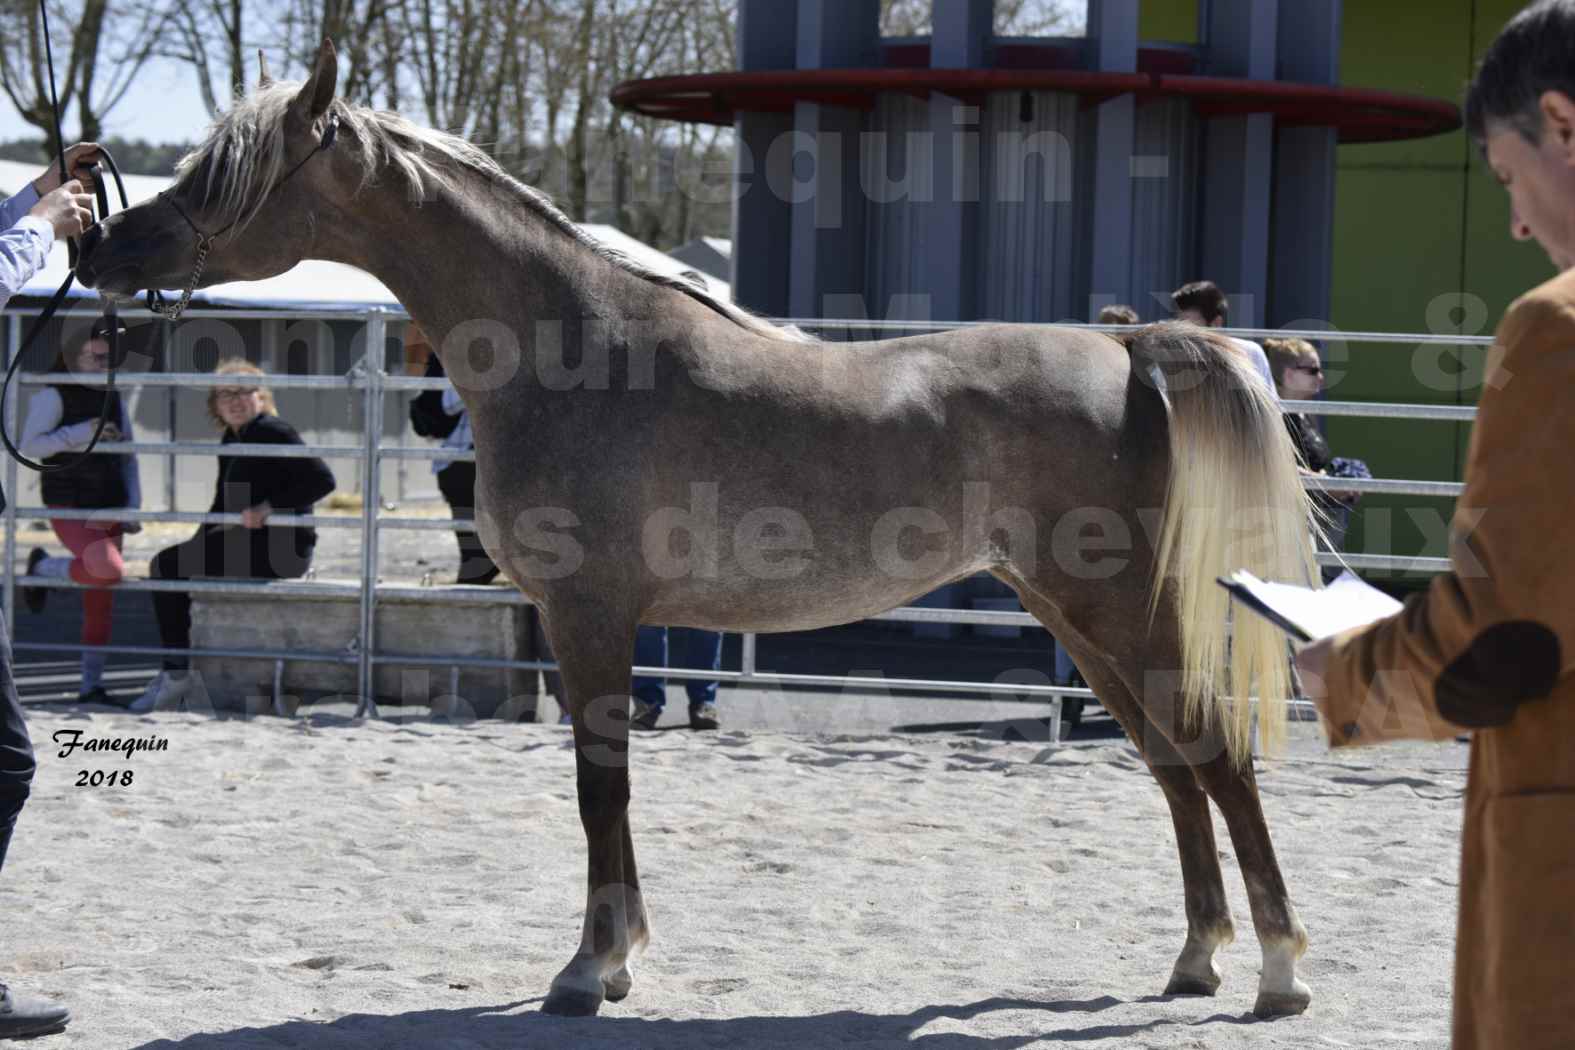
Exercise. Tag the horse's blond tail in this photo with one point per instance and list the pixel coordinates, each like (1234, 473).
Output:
(1235, 500)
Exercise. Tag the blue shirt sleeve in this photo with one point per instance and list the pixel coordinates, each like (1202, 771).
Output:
(14, 207)
(25, 242)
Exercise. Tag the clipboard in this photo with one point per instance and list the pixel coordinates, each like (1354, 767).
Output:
(1310, 613)
(1263, 609)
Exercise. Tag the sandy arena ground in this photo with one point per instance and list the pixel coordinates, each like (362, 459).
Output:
(318, 883)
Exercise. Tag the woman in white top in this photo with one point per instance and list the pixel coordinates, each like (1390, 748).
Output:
(60, 422)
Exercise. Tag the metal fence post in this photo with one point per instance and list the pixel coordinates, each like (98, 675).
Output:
(371, 488)
(746, 656)
(168, 364)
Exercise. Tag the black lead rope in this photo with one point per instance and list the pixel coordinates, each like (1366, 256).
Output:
(115, 354)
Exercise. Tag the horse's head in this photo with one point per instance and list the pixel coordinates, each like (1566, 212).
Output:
(245, 203)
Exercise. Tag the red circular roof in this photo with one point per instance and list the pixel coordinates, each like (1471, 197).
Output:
(1360, 115)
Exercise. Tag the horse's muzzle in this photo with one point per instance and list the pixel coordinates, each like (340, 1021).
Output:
(87, 244)
(110, 262)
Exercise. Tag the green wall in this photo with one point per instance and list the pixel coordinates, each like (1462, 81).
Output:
(1175, 21)
(1416, 225)
(1420, 244)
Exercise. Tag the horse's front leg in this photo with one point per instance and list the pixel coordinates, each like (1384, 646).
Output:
(595, 647)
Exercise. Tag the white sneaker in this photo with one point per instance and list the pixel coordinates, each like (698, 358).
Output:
(166, 690)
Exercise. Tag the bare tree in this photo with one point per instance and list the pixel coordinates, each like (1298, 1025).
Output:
(210, 36)
(1040, 18)
(106, 51)
(577, 153)
(1012, 17)
(906, 17)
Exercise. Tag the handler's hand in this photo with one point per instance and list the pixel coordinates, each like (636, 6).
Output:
(78, 159)
(67, 209)
(254, 517)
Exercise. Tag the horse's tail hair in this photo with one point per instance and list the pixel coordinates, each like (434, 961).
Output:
(1234, 500)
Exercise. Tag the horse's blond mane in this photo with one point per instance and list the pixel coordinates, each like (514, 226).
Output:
(243, 156)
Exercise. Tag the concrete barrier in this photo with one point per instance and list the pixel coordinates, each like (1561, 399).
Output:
(436, 624)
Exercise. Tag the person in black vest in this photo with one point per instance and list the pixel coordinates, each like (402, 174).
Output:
(440, 414)
(254, 488)
(60, 423)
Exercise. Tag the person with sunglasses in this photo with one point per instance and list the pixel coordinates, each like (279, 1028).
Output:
(254, 488)
(30, 223)
(1298, 376)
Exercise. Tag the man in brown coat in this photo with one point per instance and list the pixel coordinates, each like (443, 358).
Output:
(1490, 646)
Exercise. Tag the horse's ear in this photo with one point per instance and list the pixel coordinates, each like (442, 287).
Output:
(264, 78)
(318, 91)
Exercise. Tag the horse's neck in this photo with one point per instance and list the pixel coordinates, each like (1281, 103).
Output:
(473, 258)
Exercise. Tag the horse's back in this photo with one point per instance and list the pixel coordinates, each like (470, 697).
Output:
(880, 470)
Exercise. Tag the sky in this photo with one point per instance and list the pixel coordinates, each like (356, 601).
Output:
(163, 105)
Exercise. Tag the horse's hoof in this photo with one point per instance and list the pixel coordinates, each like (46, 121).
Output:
(616, 988)
(1282, 1004)
(571, 1002)
(1187, 984)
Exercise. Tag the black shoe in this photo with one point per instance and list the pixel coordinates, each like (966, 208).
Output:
(644, 716)
(703, 716)
(23, 1015)
(33, 597)
(476, 573)
(99, 695)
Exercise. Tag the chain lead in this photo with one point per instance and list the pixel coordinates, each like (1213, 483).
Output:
(172, 313)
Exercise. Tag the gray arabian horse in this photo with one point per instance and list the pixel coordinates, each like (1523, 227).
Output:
(818, 484)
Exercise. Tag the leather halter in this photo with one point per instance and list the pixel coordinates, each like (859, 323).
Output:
(156, 301)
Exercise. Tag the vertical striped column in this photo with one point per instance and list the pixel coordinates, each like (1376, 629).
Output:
(1113, 43)
(828, 224)
(1240, 40)
(762, 215)
(1304, 173)
(961, 40)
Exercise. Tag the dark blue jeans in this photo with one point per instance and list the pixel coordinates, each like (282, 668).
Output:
(701, 650)
(16, 750)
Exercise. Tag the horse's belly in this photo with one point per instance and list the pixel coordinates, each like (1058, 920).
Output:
(805, 602)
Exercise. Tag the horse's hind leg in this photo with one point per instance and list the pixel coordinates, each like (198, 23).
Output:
(1234, 789)
(1186, 769)
(1281, 936)
(1280, 932)
(1209, 925)
(595, 648)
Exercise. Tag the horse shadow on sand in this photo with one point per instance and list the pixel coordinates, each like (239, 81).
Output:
(506, 1026)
